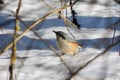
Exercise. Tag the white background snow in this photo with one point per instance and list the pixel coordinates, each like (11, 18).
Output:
(35, 61)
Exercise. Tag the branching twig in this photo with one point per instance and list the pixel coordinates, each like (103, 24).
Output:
(46, 4)
(13, 56)
(78, 70)
(34, 24)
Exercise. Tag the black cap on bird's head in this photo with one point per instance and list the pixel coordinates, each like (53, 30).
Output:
(60, 33)
(55, 31)
(63, 36)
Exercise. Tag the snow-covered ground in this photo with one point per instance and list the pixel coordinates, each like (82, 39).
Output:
(35, 61)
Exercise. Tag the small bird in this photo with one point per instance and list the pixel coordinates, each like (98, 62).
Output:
(66, 44)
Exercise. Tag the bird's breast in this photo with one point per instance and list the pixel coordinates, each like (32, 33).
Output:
(67, 47)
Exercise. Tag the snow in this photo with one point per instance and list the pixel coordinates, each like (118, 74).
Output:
(36, 61)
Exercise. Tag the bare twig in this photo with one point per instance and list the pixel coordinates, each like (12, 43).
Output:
(34, 24)
(66, 9)
(114, 35)
(13, 56)
(78, 70)
(113, 25)
(46, 4)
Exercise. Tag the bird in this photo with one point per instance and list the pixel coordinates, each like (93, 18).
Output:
(66, 44)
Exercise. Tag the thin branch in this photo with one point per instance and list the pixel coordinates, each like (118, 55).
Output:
(66, 12)
(113, 25)
(114, 35)
(34, 24)
(66, 21)
(82, 67)
(13, 56)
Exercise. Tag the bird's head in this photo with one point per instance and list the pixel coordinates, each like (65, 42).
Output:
(60, 34)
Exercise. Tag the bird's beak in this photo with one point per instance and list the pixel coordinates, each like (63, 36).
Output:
(55, 32)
